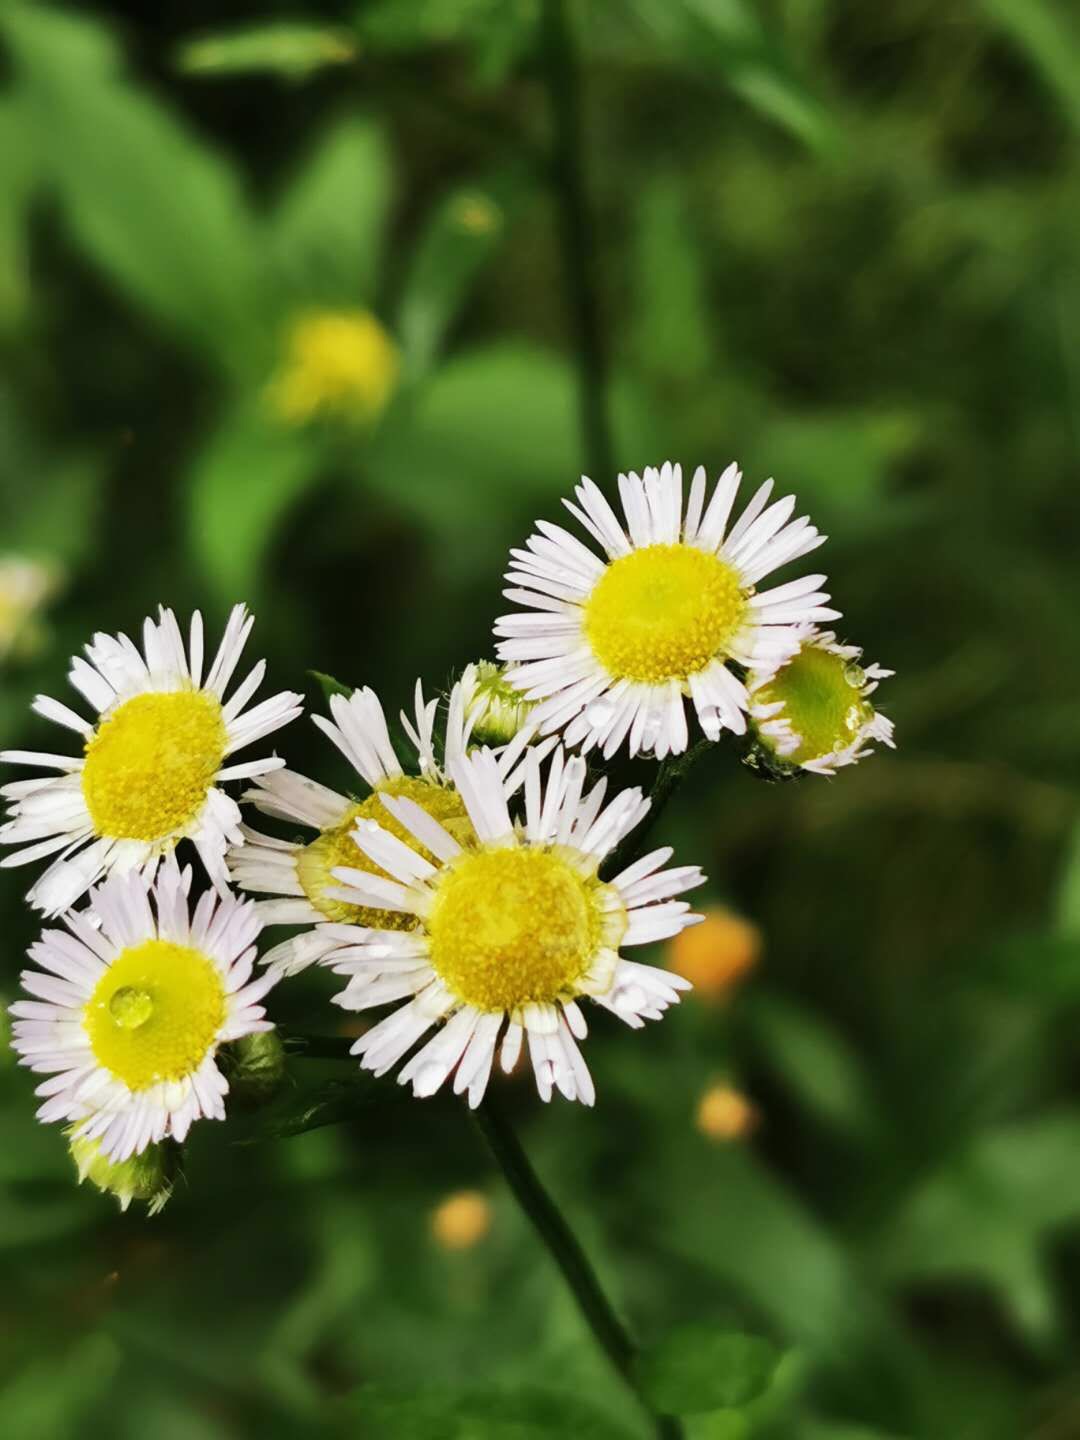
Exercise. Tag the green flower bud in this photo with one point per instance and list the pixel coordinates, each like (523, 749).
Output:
(147, 1176)
(813, 711)
(254, 1066)
(498, 711)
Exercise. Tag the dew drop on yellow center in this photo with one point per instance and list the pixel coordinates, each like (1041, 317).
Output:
(150, 764)
(155, 1013)
(336, 849)
(663, 613)
(513, 926)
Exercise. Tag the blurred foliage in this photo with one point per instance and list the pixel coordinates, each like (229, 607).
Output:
(838, 240)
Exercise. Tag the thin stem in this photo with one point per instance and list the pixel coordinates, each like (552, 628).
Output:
(563, 1246)
(563, 78)
(669, 777)
(317, 1047)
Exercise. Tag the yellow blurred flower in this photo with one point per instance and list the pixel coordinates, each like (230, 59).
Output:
(338, 364)
(25, 585)
(477, 215)
(715, 955)
(724, 1113)
(461, 1220)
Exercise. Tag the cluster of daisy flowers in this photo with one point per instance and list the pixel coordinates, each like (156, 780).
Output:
(477, 890)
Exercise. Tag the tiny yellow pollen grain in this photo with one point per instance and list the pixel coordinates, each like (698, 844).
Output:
(335, 848)
(717, 954)
(150, 764)
(725, 1114)
(462, 1220)
(663, 612)
(338, 364)
(155, 1013)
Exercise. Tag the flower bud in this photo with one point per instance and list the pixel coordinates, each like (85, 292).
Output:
(813, 712)
(147, 1176)
(254, 1066)
(715, 955)
(461, 1220)
(25, 586)
(498, 711)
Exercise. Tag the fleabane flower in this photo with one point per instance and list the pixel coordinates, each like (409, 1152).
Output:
(131, 1002)
(497, 710)
(813, 711)
(300, 873)
(617, 644)
(338, 364)
(508, 932)
(152, 761)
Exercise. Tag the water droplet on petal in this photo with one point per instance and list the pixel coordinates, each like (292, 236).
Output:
(855, 675)
(131, 1007)
(600, 714)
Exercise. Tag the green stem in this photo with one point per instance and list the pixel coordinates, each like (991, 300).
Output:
(563, 1246)
(669, 777)
(563, 78)
(317, 1047)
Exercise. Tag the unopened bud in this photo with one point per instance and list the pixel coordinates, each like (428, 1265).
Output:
(147, 1177)
(498, 711)
(254, 1066)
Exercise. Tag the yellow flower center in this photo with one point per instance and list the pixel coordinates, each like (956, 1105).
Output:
(155, 1012)
(663, 613)
(822, 698)
(337, 362)
(514, 926)
(336, 848)
(150, 765)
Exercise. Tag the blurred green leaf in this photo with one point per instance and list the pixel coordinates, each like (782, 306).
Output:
(697, 1368)
(526, 1413)
(1068, 899)
(819, 1068)
(48, 1400)
(327, 231)
(672, 336)
(162, 214)
(18, 182)
(242, 484)
(1047, 34)
(291, 49)
(496, 32)
(460, 237)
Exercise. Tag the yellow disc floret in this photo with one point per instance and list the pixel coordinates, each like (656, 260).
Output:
(150, 764)
(155, 1012)
(821, 693)
(663, 613)
(336, 849)
(513, 926)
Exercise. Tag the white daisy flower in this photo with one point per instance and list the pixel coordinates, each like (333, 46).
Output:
(813, 712)
(618, 644)
(508, 932)
(152, 761)
(130, 1005)
(299, 874)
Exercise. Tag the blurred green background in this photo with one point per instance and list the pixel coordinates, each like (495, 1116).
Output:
(296, 306)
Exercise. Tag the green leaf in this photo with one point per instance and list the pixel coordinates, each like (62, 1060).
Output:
(332, 1103)
(327, 230)
(524, 1413)
(461, 235)
(697, 1368)
(18, 180)
(671, 336)
(330, 686)
(818, 1066)
(1068, 899)
(160, 213)
(289, 49)
(241, 486)
(1051, 43)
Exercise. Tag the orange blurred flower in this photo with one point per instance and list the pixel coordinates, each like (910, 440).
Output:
(724, 1113)
(461, 1220)
(715, 955)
